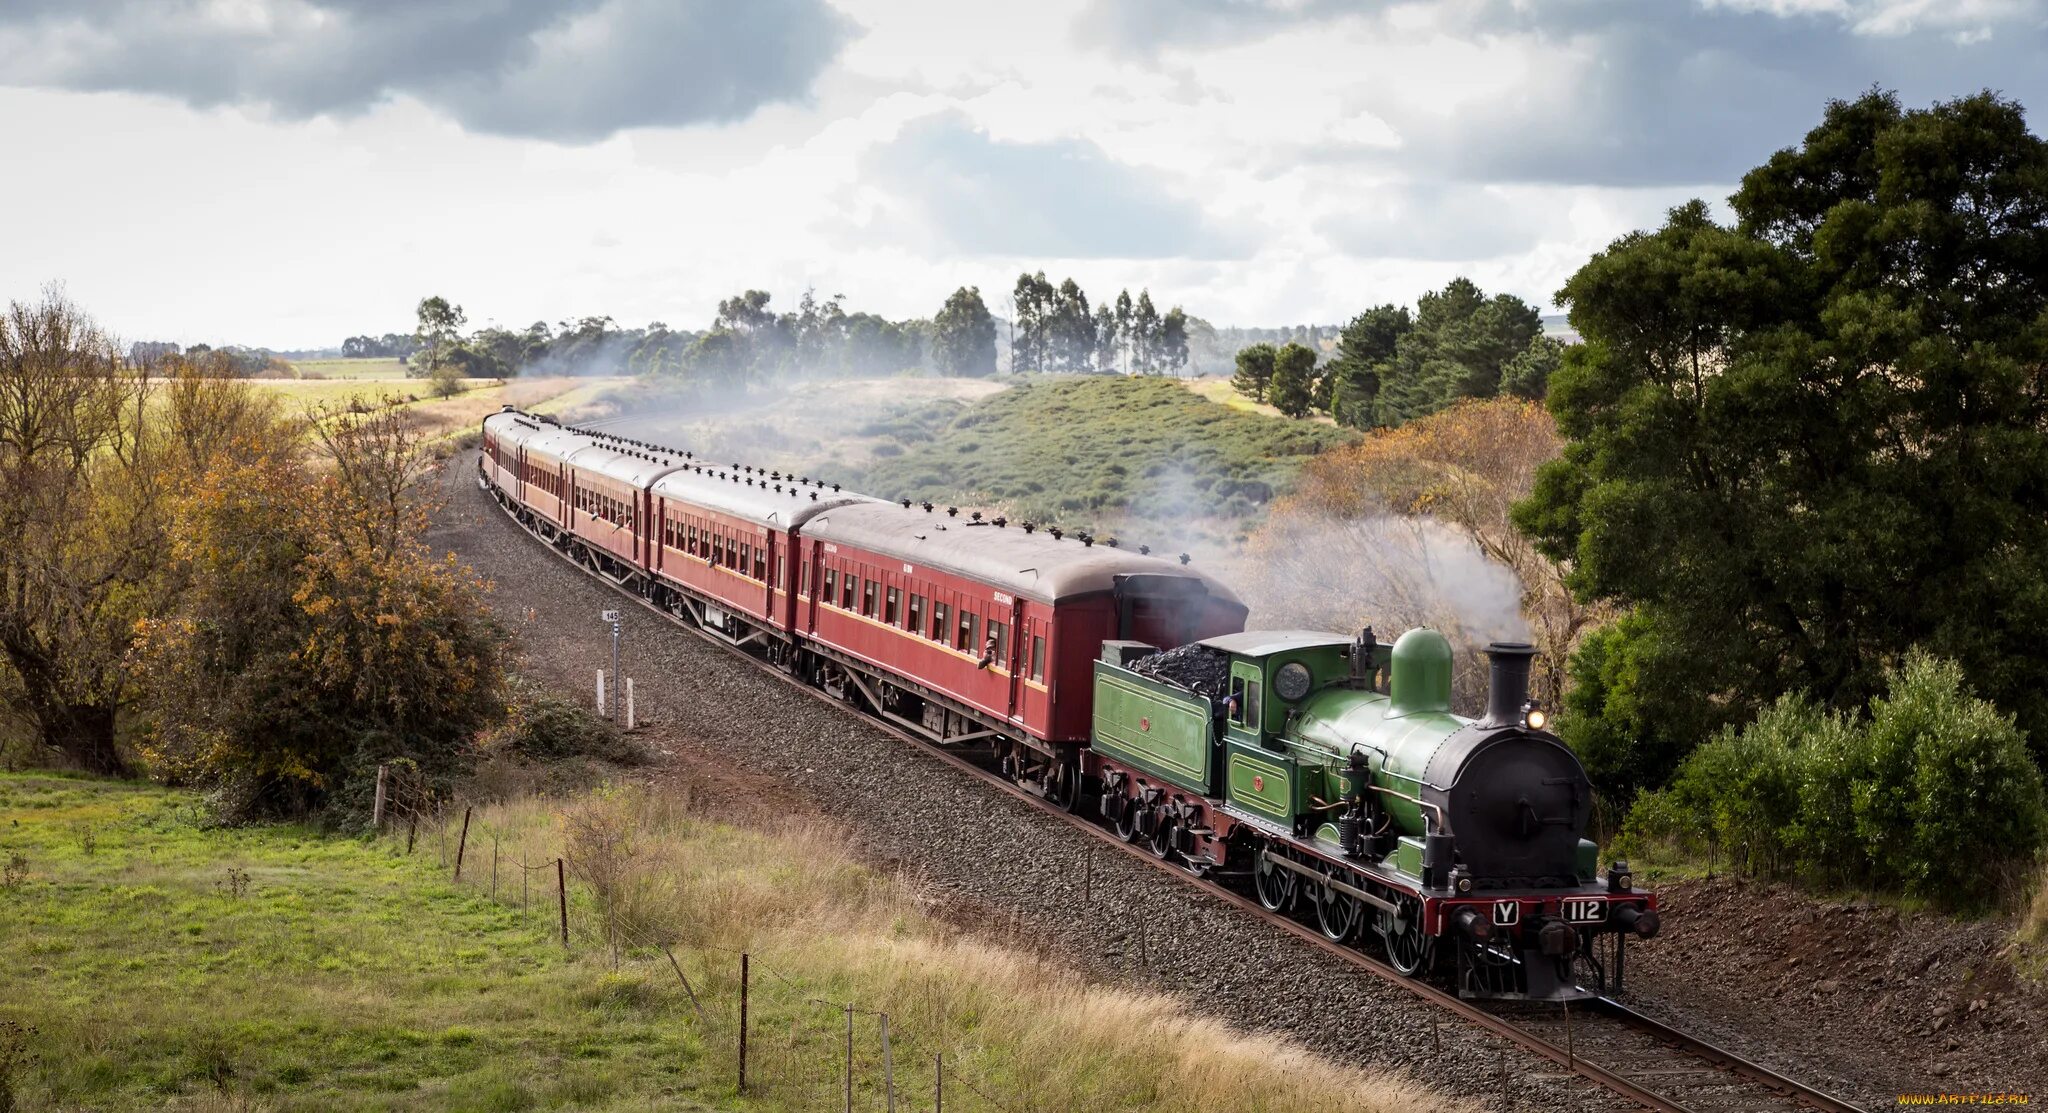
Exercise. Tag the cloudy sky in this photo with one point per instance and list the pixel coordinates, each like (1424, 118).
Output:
(289, 172)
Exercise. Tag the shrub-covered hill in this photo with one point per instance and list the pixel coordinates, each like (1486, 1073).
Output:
(1145, 456)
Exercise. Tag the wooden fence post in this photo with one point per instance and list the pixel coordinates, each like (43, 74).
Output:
(463, 845)
(939, 1082)
(412, 830)
(849, 1059)
(745, 966)
(494, 867)
(377, 809)
(562, 899)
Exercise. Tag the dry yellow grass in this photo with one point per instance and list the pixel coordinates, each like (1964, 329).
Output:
(1016, 1020)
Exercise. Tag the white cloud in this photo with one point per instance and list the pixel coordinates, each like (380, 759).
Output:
(289, 172)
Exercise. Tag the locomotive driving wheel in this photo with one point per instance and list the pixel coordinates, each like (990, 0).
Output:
(1337, 913)
(1408, 948)
(1274, 883)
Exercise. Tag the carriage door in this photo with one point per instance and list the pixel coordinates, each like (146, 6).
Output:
(1015, 638)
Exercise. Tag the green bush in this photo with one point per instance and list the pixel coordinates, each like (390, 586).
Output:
(1934, 795)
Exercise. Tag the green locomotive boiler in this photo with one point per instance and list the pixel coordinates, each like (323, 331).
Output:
(1330, 775)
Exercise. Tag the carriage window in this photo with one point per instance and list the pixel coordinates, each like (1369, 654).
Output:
(969, 624)
(915, 624)
(999, 634)
(867, 598)
(846, 590)
(761, 564)
(941, 616)
(831, 585)
(892, 607)
(745, 563)
(1038, 658)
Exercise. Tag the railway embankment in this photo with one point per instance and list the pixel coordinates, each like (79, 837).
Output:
(723, 727)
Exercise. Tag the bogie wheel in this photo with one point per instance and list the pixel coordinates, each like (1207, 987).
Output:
(1337, 914)
(1063, 786)
(1408, 948)
(1274, 883)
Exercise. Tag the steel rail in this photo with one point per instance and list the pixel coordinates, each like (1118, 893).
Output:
(1450, 1002)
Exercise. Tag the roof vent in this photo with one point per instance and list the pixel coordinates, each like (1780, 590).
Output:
(1144, 550)
(1001, 522)
(952, 512)
(1055, 531)
(1029, 526)
(906, 504)
(1184, 558)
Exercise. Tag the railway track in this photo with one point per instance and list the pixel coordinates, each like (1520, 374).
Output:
(1633, 1060)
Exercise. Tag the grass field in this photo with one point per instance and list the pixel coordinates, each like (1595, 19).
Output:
(350, 368)
(164, 964)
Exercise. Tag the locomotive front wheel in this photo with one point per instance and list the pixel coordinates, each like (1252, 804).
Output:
(1337, 913)
(1408, 949)
(1274, 883)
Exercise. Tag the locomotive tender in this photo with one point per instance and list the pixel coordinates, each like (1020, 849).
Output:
(1330, 776)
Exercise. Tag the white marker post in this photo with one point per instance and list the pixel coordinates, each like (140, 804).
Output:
(631, 721)
(600, 691)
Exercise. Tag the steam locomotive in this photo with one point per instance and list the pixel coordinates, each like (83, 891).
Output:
(1325, 773)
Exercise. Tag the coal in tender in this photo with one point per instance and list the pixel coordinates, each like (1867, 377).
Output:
(1197, 667)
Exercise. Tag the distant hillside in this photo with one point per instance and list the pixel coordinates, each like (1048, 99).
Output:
(1142, 458)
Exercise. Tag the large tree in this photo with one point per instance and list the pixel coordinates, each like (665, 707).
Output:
(1364, 348)
(1459, 345)
(1292, 389)
(1254, 371)
(1800, 445)
(438, 334)
(964, 335)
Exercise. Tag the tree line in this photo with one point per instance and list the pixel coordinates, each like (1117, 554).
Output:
(747, 341)
(1052, 329)
(1389, 365)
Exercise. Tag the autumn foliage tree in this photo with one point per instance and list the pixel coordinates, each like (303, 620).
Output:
(1463, 469)
(89, 452)
(321, 635)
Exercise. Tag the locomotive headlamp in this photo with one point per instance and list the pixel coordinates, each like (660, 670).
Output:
(1533, 716)
(1619, 879)
(1460, 880)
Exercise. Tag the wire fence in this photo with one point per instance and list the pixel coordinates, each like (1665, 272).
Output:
(782, 1040)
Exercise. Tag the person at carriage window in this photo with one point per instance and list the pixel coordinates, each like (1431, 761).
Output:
(988, 649)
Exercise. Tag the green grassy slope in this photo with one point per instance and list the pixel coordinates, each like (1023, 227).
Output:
(1147, 456)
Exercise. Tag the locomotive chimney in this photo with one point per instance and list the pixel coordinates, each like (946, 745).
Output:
(1509, 683)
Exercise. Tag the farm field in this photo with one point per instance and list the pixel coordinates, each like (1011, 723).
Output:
(373, 368)
(441, 417)
(162, 962)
